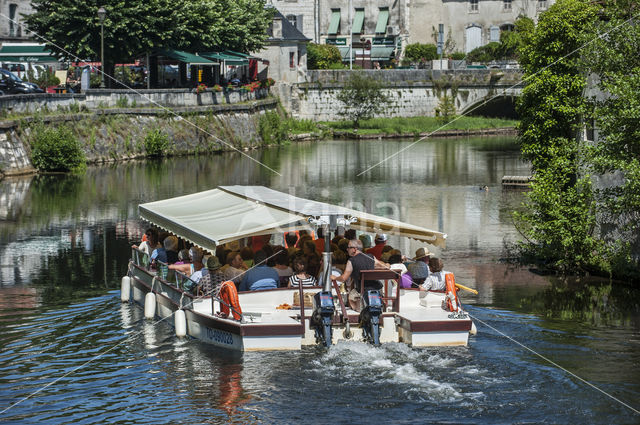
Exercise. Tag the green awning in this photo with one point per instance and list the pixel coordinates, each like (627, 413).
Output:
(383, 18)
(335, 22)
(185, 57)
(40, 59)
(358, 21)
(15, 52)
(24, 49)
(344, 52)
(381, 53)
(228, 59)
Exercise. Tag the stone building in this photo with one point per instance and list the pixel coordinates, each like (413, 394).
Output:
(382, 29)
(469, 23)
(11, 19)
(377, 30)
(285, 51)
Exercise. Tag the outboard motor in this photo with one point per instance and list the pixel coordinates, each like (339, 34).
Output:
(322, 315)
(370, 316)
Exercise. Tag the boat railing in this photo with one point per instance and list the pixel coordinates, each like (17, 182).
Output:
(386, 275)
(140, 258)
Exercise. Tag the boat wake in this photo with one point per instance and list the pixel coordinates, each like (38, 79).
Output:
(436, 375)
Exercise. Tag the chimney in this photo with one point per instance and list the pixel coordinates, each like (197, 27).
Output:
(277, 28)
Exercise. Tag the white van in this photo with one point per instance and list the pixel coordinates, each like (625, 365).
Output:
(21, 69)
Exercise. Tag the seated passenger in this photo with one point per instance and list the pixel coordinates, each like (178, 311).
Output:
(259, 272)
(150, 242)
(183, 257)
(189, 267)
(366, 241)
(350, 234)
(234, 267)
(209, 284)
(312, 257)
(247, 256)
(160, 251)
(282, 267)
(435, 281)
(171, 247)
(290, 240)
(396, 264)
(380, 241)
(419, 269)
(300, 274)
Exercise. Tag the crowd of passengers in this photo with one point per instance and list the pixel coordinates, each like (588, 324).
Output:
(260, 265)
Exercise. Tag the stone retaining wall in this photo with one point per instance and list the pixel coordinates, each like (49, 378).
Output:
(107, 98)
(118, 134)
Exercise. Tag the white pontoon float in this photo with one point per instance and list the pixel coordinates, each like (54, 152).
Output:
(229, 213)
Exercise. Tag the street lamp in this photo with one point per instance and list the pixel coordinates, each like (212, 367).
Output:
(102, 13)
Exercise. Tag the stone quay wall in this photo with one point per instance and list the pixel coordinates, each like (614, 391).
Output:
(117, 134)
(107, 98)
(411, 92)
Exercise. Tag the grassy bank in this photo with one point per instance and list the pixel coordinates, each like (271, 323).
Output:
(417, 125)
(399, 126)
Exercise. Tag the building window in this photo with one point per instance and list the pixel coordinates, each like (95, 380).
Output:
(542, 4)
(334, 24)
(473, 5)
(507, 27)
(506, 4)
(494, 34)
(292, 59)
(383, 20)
(358, 21)
(12, 17)
(293, 20)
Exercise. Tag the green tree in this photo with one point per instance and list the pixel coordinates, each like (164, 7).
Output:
(323, 56)
(418, 52)
(510, 41)
(558, 220)
(614, 63)
(134, 27)
(362, 97)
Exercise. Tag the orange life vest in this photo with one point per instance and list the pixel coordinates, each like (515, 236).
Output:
(453, 303)
(229, 296)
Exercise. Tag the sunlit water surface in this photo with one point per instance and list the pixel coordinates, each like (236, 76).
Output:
(70, 352)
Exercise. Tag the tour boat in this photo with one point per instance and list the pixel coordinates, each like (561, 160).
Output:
(288, 318)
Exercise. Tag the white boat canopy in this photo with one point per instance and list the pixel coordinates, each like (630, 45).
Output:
(228, 213)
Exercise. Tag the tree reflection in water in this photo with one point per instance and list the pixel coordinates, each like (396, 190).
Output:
(592, 300)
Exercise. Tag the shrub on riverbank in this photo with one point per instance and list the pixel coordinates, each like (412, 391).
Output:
(272, 128)
(156, 143)
(56, 149)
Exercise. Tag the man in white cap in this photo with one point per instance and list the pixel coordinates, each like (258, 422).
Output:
(380, 241)
(419, 269)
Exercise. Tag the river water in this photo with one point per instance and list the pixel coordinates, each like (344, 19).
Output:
(70, 352)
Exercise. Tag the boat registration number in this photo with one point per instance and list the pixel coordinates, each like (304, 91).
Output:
(219, 336)
(456, 315)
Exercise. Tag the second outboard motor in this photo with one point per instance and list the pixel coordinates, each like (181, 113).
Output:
(370, 316)
(322, 315)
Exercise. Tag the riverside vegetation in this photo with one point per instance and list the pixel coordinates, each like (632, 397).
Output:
(583, 213)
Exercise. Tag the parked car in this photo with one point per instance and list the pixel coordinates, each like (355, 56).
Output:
(10, 83)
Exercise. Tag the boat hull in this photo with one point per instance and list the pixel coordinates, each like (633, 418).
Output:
(420, 323)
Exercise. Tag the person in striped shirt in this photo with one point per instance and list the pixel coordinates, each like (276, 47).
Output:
(300, 274)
